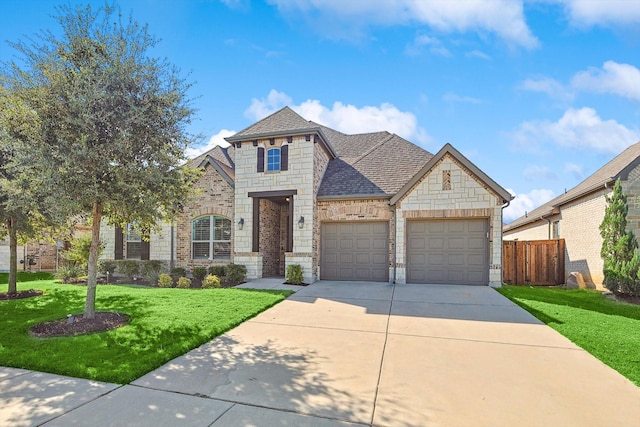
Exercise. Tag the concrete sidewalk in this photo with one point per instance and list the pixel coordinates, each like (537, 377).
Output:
(353, 353)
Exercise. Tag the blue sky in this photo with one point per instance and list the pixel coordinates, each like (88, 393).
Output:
(538, 94)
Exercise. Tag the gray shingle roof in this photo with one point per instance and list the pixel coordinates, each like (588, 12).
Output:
(376, 163)
(618, 167)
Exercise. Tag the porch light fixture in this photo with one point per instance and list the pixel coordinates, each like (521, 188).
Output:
(301, 223)
(241, 224)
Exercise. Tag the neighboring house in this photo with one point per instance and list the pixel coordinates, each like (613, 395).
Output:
(577, 214)
(369, 206)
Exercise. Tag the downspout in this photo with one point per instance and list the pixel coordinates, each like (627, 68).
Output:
(395, 242)
(171, 259)
(501, 239)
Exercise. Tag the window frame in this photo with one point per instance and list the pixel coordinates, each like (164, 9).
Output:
(271, 159)
(212, 241)
(132, 237)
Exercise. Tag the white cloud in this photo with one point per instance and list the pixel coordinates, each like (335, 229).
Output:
(478, 54)
(452, 98)
(346, 118)
(539, 172)
(615, 78)
(573, 169)
(423, 42)
(548, 86)
(217, 139)
(578, 128)
(601, 12)
(505, 18)
(526, 203)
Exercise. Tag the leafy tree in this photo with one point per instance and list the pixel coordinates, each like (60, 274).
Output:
(113, 122)
(26, 210)
(618, 245)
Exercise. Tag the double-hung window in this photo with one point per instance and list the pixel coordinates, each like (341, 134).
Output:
(211, 238)
(133, 242)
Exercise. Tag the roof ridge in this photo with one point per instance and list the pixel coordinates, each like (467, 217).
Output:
(372, 149)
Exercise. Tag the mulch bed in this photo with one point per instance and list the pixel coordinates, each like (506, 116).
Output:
(5, 296)
(103, 321)
(627, 298)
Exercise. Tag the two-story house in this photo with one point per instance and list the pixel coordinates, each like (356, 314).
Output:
(370, 206)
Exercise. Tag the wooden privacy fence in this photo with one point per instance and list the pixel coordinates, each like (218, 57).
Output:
(533, 262)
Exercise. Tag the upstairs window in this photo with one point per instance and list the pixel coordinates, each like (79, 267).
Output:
(211, 238)
(273, 159)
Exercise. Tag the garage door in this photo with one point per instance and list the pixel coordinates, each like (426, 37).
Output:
(355, 251)
(448, 251)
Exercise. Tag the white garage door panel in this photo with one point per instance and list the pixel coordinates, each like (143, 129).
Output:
(355, 251)
(448, 251)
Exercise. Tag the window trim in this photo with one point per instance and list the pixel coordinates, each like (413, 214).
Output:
(269, 158)
(211, 241)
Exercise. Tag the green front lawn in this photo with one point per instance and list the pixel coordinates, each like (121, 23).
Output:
(164, 323)
(609, 330)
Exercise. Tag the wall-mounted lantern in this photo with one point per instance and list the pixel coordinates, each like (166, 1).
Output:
(301, 223)
(241, 224)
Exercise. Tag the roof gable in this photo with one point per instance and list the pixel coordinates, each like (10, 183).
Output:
(282, 120)
(473, 169)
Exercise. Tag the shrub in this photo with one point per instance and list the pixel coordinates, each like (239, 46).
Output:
(107, 267)
(177, 273)
(78, 253)
(129, 268)
(199, 272)
(210, 282)
(151, 270)
(184, 283)
(294, 274)
(165, 281)
(236, 273)
(217, 270)
(69, 273)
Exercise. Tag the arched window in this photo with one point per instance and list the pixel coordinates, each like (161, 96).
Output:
(273, 159)
(211, 238)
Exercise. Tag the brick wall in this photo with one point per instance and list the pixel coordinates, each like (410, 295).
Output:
(538, 230)
(270, 237)
(212, 196)
(449, 190)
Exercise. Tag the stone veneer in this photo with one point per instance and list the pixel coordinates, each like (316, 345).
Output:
(306, 161)
(467, 197)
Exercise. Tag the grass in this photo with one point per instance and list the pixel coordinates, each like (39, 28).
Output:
(164, 323)
(607, 329)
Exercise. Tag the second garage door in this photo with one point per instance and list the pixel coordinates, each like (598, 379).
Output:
(448, 252)
(355, 251)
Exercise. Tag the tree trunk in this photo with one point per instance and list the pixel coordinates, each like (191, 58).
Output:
(13, 255)
(92, 268)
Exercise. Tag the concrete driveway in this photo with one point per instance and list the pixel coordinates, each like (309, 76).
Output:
(354, 353)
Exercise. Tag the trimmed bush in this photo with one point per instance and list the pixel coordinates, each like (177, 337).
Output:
(177, 273)
(107, 267)
(199, 272)
(211, 282)
(129, 268)
(217, 270)
(165, 281)
(236, 273)
(184, 283)
(294, 274)
(151, 270)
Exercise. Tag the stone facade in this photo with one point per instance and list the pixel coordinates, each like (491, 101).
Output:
(299, 178)
(466, 197)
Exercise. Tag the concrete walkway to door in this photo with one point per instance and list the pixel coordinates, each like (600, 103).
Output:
(354, 353)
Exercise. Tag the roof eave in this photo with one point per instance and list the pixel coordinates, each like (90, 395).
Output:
(294, 132)
(213, 162)
(337, 197)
